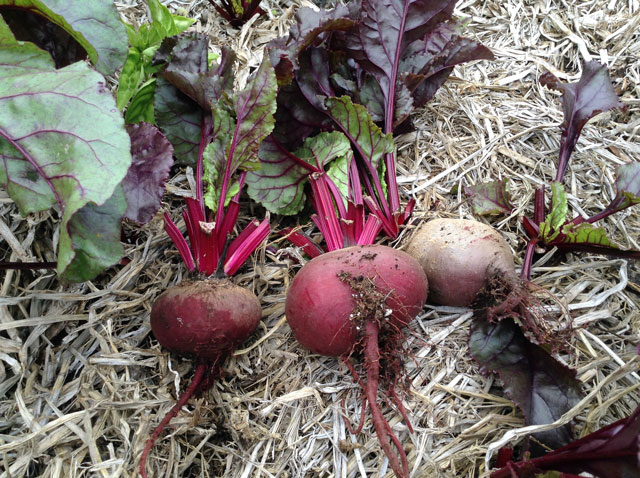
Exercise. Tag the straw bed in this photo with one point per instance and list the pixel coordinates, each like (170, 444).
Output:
(83, 384)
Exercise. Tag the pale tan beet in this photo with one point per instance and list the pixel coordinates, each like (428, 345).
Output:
(458, 256)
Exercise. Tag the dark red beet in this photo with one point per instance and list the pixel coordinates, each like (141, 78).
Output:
(348, 300)
(207, 319)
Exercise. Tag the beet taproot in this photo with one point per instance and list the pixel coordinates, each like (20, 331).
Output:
(205, 319)
(355, 301)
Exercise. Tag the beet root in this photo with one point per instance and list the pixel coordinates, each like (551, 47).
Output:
(206, 319)
(459, 256)
(356, 301)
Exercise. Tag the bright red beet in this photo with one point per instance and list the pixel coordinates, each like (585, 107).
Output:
(348, 301)
(207, 319)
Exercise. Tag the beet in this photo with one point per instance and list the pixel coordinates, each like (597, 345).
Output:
(459, 256)
(355, 301)
(206, 319)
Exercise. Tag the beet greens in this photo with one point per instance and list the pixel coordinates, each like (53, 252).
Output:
(389, 57)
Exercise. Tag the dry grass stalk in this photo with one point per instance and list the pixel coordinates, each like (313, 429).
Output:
(82, 383)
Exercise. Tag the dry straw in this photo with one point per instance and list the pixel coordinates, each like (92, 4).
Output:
(82, 384)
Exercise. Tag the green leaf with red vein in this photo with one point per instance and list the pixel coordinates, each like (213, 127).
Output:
(152, 158)
(490, 198)
(551, 227)
(367, 137)
(54, 159)
(279, 183)
(542, 387)
(240, 125)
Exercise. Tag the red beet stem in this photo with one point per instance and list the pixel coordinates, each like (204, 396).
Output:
(200, 374)
(398, 462)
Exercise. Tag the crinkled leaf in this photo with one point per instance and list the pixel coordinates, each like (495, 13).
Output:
(28, 26)
(279, 183)
(542, 387)
(79, 161)
(296, 118)
(237, 140)
(152, 158)
(427, 62)
(581, 101)
(356, 123)
(612, 451)
(309, 28)
(551, 227)
(141, 106)
(200, 84)
(490, 198)
(96, 26)
(179, 118)
(93, 240)
(627, 186)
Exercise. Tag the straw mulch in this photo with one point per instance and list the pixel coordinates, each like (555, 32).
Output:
(83, 383)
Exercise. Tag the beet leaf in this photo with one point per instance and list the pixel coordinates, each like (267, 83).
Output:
(591, 95)
(152, 158)
(581, 101)
(96, 27)
(230, 136)
(386, 56)
(54, 160)
(610, 452)
(186, 90)
(490, 198)
(542, 387)
(279, 183)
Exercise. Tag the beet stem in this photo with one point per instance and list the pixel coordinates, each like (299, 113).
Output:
(383, 429)
(200, 374)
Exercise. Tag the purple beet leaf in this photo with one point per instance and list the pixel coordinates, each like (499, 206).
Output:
(581, 101)
(152, 158)
(185, 92)
(610, 452)
(542, 387)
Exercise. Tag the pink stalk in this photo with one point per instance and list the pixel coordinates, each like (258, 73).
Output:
(180, 242)
(309, 247)
(242, 253)
(326, 211)
(372, 228)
